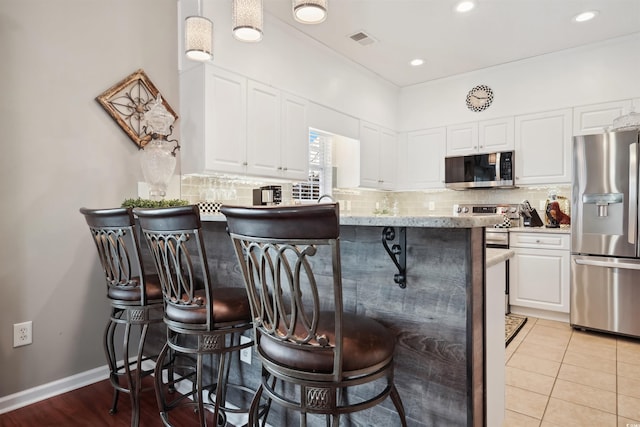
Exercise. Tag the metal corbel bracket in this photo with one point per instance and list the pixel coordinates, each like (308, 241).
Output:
(397, 252)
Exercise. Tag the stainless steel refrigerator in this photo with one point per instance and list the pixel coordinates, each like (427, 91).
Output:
(605, 254)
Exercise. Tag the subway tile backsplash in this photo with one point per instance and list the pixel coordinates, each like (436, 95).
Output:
(235, 190)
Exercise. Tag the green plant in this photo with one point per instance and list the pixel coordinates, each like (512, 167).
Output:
(147, 203)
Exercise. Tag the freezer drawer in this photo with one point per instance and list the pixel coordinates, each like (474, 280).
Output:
(605, 294)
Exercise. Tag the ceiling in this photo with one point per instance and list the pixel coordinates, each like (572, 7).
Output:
(494, 32)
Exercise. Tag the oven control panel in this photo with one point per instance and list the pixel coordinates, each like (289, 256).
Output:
(510, 210)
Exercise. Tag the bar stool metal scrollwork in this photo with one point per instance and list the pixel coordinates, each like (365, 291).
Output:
(136, 298)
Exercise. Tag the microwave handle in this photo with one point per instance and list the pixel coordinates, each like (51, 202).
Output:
(498, 168)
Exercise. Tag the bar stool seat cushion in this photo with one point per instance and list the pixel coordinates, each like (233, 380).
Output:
(365, 343)
(229, 305)
(132, 292)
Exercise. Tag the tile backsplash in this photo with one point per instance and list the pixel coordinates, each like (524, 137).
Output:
(238, 190)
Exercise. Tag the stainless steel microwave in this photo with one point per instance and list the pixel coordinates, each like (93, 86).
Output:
(488, 170)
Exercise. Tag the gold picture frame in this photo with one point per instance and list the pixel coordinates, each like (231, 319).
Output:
(128, 100)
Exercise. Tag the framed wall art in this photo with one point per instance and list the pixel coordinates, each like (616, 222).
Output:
(128, 100)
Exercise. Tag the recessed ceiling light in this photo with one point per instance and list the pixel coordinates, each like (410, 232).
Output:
(465, 6)
(416, 62)
(585, 16)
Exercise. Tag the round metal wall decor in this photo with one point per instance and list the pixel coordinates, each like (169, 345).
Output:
(479, 98)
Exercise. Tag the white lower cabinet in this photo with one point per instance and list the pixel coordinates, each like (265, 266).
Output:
(539, 271)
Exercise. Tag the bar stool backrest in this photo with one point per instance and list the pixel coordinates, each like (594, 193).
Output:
(288, 288)
(115, 237)
(174, 236)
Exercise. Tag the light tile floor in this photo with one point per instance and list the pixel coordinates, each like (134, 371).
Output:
(558, 376)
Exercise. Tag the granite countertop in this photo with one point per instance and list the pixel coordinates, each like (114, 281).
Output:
(495, 256)
(431, 221)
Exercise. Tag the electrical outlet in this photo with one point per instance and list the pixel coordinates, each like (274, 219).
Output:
(432, 206)
(245, 353)
(22, 333)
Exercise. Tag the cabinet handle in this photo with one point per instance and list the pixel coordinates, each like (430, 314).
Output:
(284, 169)
(244, 163)
(279, 168)
(538, 241)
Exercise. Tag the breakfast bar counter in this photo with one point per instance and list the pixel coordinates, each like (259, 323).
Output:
(436, 312)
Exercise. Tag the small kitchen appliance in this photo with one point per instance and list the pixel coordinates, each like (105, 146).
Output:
(488, 170)
(268, 195)
(605, 253)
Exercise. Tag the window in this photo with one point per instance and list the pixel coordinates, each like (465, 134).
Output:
(320, 170)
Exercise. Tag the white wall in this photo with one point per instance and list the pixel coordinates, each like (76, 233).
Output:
(60, 151)
(289, 60)
(595, 73)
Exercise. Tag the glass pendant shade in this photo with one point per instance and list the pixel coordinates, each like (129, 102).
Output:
(247, 20)
(310, 11)
(198, 38)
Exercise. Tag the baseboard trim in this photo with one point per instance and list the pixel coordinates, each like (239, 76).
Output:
(63, 385)
(45, 391)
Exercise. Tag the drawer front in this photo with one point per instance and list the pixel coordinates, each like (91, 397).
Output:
(540, 240)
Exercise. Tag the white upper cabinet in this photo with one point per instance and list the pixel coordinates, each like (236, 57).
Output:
(278, 135)
(263, 132)
(596, 118)
(543, 147)
(462, 139)
(213, 121)
(424, 151)
(495, 135)
(294, 146)
(480, 137)
(378, 148)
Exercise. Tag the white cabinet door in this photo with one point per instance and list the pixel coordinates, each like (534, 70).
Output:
(595, 118)
(387, 161)
(378, 156)
(495, 135)
(543, 147)
(213, 107)
(295, 138)
(462, 139)
(369, 154)
(538, 275)
(278, 135)
(263, 133)
(425, 159)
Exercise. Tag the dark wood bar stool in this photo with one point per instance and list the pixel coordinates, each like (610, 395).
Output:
(136, 298)
(202, 319)
(316, 358)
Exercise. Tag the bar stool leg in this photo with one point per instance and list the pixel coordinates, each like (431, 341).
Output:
(111, 361)
(162, 405)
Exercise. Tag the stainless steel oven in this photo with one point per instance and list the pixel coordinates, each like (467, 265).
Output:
(497, 236)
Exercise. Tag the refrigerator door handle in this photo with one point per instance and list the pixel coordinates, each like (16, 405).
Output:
(608, 264)
(633, 193)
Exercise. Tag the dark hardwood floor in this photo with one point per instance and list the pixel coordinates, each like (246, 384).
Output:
(89, 406)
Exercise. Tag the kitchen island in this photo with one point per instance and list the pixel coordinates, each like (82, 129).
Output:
(438, 317)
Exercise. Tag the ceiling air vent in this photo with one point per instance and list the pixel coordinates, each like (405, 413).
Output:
(363, 38)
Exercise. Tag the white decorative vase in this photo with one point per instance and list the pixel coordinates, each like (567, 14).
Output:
(158, 162)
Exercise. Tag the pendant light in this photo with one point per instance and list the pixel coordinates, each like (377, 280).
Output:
(310, 11)
(247, 20)
(198, 37)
